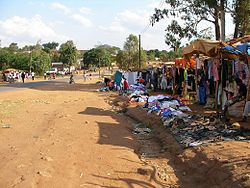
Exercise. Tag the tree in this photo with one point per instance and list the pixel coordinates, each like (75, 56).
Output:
(151, 55)
(97, 57)
(13, 47)
(68, 53)
(47, 47)
(40, 61)
(128, 58)
(4, 59)
(120, 60)
(192, 13)
(131, 47)
(241, 16)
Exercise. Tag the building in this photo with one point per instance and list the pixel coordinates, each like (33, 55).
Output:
(58, 65)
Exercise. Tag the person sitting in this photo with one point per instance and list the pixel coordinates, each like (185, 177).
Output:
(242, 93)
(110, 85)
(140, 80)
(107, 81)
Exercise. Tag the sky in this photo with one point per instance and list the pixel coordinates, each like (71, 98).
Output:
(87, 22)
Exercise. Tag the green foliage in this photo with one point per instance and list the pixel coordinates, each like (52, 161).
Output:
(47, 47)
(13, 47)
(97, 57)
(241, 16)
(192, 13)
(68, 53)
(4, 59)
(128, 58)
(40, 61)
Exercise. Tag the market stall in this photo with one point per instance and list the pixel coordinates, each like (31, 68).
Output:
(218, 65)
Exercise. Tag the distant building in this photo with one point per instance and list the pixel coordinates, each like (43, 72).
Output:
(58, 65)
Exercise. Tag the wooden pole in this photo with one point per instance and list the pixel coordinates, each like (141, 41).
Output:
(140, 52)
(248, 87)
(221, 87)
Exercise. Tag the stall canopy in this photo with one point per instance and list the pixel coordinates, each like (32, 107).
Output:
(202, 46)
(10, 70)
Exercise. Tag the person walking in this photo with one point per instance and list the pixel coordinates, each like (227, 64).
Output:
(23, 76)
(33, 75)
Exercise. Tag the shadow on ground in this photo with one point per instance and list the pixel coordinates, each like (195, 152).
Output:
(207, 166)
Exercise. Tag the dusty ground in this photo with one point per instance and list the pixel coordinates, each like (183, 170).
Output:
(221, 164)
(71, 136)
(66, 136)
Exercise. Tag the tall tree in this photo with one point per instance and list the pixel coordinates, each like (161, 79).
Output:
(241, 16)
(192, 13)
(68, 53)
(40, 61)
(131, 48)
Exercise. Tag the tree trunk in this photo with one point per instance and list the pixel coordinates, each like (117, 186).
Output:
(236, 30)
(217, 29)
(236, 19)
(217, 26)
(222, 18)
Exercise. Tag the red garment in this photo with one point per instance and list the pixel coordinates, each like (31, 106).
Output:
(125, 85)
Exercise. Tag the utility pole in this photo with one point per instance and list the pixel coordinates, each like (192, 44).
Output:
(139, 51)
(99, 67)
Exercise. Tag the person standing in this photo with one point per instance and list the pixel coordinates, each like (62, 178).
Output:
(23, 76)
(125, 85)
(33, 75)
(45, 75)
(84, 76)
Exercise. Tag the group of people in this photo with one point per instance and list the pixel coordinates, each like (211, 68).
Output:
(123, 87)
(10, 77)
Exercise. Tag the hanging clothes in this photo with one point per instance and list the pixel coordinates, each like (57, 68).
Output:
(118, 78)
(163, 83)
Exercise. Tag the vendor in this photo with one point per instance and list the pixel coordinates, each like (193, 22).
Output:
(242, 93)
(140, 80)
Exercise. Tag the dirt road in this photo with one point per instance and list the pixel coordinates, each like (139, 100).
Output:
(65, 135)
(62, 135)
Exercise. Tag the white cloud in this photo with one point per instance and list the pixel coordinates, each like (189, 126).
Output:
(131, 18)
(62, 7)
(128, 21)
(82, 20)
(114, 27)
(135, 22)
(77, 17)
(85, 10)
(24, 30)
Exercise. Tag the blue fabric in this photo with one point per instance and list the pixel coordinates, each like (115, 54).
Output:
(244, 47)
(154, 108)
(118, 77)
(202, 95)
(166, 113)
(231, 50)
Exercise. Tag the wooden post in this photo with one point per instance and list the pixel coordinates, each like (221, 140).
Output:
(140, 52)
(221, 87)
(248, 87)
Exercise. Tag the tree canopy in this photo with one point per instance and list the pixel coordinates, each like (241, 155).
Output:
(68, 53)
(97, 57)
(128, 58)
